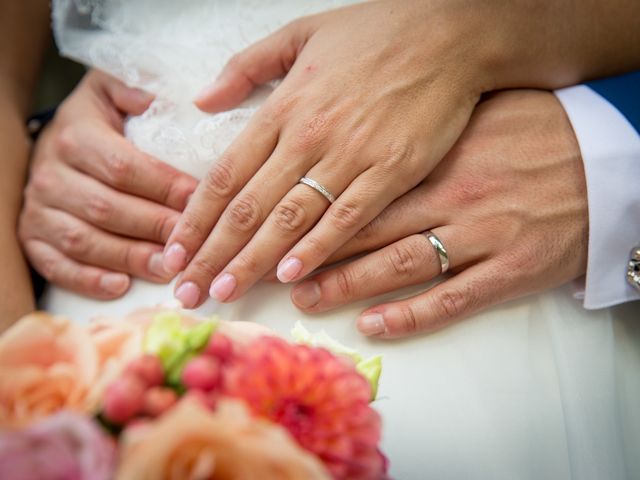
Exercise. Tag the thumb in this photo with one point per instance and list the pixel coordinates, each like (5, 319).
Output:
(268, 59)
(131, 101)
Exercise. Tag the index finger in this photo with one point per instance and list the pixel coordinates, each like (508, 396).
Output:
(112, 159)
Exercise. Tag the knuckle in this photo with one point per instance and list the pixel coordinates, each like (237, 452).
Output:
(41, 181)
(451, 303)
(280, 108)
(220, 181)
(74, 241)
(118, 169)
(162, 227)
(345, 283)
(248, 263)
(346, 216)
(290, 216)
(401, 259)
(98, 209)
(316, 247)
(206, 268)
(244, 214)
(408, 319)
(312, 132)
(65, 141)
(192, 228)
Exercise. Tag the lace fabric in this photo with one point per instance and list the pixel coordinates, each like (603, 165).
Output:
(173, 49)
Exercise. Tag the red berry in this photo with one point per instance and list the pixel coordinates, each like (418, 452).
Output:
(123, 399)
(148, 369)
(158, 400)
(220, 346)
(202, 373)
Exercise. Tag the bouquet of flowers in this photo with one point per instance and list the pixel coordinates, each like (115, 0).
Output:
(161, 395)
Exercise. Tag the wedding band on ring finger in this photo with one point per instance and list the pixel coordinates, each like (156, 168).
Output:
(441, 251)
(318, 188)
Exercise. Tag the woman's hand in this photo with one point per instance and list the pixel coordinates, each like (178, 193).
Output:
(508, 203)
(97, 209)
(374, 96)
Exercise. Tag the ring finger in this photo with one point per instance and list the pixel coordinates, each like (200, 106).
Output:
(409, 261)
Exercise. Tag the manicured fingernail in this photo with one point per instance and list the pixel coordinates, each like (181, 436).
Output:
(208, 91)
(223, 287)
(188, 293)
(142, 96)
(174, 258)
(371, 324)
(289, 269)
(306, 295)
(115, 283)
(155, 265)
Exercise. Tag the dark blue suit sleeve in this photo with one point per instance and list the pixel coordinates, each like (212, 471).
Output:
(623, 92)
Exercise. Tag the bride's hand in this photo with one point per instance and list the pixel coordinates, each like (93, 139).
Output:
(96, 209)
(374, 96)
(509, 205)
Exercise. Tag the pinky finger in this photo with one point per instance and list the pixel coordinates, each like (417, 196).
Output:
(468, 292)
(71, 275)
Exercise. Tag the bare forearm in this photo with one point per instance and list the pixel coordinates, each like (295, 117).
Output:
(556, 43)
(23, 39)
(16, 297)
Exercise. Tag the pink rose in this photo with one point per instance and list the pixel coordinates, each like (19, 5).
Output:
(46, 364)
(63, 446)
(192, 442)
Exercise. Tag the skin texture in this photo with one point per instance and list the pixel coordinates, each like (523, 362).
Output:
(18, 74)
(374, 96)
(97, 210)
(508, 202)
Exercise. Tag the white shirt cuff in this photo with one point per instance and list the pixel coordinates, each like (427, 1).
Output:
(610, 149)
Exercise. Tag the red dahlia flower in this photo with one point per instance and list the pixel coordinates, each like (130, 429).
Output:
(321, 399)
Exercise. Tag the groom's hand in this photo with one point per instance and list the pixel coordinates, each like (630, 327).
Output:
(96, 209)
(509, 204)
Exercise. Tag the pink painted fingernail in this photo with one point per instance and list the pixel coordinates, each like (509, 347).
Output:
(188, 293)
(114, 283)
(174, 258)
(289, 269)
(155, 265)
(371, 324)
(306, 295)
(223, 287)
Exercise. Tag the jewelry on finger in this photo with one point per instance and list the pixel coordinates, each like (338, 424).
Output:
(310, 182)
(440, 250)
(633, 268)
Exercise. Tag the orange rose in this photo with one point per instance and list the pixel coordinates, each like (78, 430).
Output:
(46, 364)
(191, 442)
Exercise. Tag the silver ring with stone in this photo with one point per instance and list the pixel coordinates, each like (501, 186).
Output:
(310, 182)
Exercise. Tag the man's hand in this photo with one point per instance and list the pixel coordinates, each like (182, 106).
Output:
(375, 94)
(97, 209)
(508, 203)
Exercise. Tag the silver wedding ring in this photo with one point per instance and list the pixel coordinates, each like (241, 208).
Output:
(310, 182)
(440, 250)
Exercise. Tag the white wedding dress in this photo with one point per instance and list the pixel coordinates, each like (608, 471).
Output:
(535, 389)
